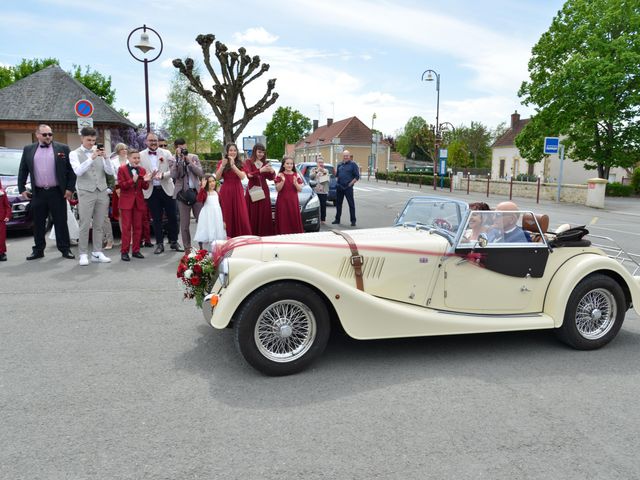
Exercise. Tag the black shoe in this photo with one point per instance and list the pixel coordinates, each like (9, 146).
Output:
(335, 222)
(137, 255)
(3, 257)
(176, 246)
(68, 254)
(125, 257)
(36, 254)
(147, 244)
(353, 224)
(159, 249)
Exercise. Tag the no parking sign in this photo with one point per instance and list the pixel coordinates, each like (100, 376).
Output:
(83, 108)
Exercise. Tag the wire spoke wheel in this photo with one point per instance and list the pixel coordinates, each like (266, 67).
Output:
(285, 331)
(595, 313)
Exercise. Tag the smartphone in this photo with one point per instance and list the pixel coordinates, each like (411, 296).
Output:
(100, 146)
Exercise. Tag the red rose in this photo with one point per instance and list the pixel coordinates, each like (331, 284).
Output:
(197, 269)
(202, 252)
(195, 280)
(161, 159)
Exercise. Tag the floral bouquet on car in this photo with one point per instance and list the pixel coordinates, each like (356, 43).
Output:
(197, 272)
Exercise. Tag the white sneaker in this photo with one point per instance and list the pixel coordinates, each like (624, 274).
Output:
(99, 257)
(84, 259)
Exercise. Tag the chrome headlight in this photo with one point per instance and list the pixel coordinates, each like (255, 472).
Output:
(223, 272)
(19, 207)
(312, 204)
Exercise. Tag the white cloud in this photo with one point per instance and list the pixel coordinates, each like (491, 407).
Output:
(255, 36)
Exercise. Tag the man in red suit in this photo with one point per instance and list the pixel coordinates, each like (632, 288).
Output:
(132, 180)
(5, 216)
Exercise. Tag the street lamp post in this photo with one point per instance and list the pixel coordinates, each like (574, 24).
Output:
(145, 46)
(373, 140)
(429, 78)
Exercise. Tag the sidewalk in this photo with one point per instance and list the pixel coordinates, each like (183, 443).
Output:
(619, 205)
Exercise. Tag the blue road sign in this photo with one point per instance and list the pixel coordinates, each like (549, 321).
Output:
(551, 145)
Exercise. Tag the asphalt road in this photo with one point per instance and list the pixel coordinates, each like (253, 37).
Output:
(105, 373)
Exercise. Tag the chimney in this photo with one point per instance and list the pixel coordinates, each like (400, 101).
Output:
(515, 118)
(315, 125)
(329, 121)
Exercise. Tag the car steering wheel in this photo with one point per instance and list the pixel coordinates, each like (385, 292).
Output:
(442, 223)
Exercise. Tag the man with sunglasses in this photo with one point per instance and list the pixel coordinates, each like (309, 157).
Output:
(53, 182)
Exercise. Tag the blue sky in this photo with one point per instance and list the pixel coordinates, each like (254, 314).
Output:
(331, 58)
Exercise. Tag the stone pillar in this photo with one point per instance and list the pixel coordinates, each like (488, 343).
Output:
(596, 188)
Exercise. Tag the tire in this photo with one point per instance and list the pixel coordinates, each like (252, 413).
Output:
(296, 344)
(594, 314)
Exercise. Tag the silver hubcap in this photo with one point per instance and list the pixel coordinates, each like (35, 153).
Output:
(285, 331)
(596, 314)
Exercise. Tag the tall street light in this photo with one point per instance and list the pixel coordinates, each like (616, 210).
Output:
(145, 46)
(373, 140)
(427, 76)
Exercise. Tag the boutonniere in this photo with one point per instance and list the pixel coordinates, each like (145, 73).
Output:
(61, 155)
(161, 159)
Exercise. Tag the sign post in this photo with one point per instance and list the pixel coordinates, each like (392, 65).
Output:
(84, 109)
(442, 167)
(552, 146)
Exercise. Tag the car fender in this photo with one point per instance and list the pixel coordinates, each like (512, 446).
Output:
(576, 269)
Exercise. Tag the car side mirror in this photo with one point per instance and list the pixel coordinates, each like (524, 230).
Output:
(483, 240)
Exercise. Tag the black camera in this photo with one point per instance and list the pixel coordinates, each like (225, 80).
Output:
(184, 152)
(100, 146)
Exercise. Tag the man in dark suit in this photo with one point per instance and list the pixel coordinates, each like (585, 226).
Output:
(53, 182)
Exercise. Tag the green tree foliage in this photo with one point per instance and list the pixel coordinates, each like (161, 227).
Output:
(27, 67)
(585, 85)
(184, 117)
(416, 137)
(458, 154)
(286, 126)
(96, 82)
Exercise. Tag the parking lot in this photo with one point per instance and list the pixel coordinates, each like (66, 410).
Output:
(105, 372)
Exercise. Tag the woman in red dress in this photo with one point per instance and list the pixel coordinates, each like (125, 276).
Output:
(288, 184)
(234, 207)
(259, 171)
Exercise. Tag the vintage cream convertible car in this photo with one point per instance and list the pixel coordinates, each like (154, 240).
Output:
(423, 276)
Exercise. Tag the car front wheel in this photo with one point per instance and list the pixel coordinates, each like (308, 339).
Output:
(282, 328)
(594, 314)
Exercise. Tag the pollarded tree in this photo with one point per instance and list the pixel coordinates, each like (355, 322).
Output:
(585, 85)
(286, 125)
(237, 71)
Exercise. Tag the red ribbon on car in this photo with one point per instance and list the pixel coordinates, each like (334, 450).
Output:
(222, 249)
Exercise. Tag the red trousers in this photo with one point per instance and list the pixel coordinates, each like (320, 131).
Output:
(131, 220)
(3, 236)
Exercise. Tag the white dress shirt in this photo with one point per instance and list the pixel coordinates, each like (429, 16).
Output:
(81, 168)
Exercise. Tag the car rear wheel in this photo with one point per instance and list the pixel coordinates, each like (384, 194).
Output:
(282, 328)
(594, 314)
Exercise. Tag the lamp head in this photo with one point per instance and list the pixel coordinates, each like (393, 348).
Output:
(144, 44)
(429, 77)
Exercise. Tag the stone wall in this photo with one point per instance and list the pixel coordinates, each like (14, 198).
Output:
(548, 191)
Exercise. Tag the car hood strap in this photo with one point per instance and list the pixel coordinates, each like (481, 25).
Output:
(356, 258)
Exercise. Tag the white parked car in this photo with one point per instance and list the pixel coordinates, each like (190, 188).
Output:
(423, 276)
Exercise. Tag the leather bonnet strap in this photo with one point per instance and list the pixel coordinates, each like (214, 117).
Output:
(356, 258)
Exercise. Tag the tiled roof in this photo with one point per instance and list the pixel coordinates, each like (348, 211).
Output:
(508, 138)
(350, 131)
(49, 95)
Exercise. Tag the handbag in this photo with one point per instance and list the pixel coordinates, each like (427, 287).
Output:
(322, 178)
(188, 196)
(256, 193)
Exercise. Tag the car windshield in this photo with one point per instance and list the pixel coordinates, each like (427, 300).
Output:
(500, 228)
(433, 212)
(9, 162)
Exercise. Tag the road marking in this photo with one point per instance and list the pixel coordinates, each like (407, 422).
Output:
(617, 231)
(594, 220)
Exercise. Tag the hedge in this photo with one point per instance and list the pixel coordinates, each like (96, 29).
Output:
(616, 189)
(410, 177)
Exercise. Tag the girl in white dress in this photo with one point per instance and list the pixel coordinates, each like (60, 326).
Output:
(210, 226)
(72, 225)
